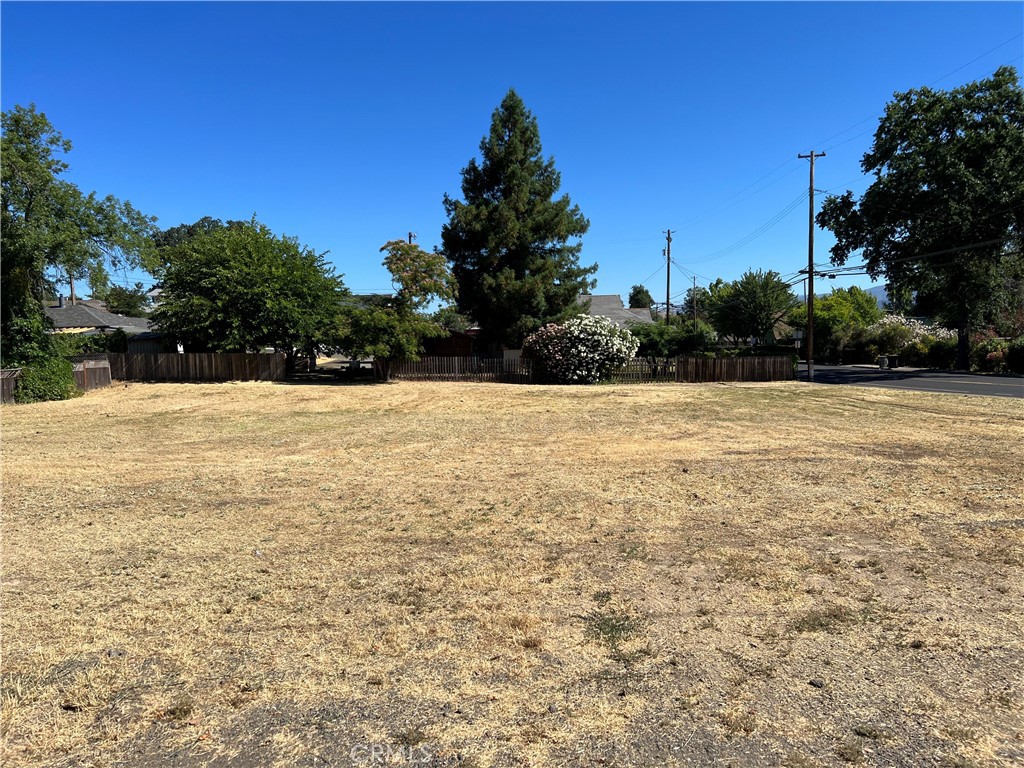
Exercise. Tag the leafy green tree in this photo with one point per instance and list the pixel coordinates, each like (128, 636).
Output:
(658, 340)
(640, 298)
(242, 289)
(514, 247)
(47, 223)
(698, 299)
(451, 319)
(396, 331)
(750, 306)
(838, 319)
(166, 240)
(944, 215)
(130, 302)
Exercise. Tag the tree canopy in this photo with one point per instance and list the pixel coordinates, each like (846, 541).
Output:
(838, 318)
(47, 223)
(944, 215)
(750, 306)
(640, 298)
(130, 302)
(241, 288)
(661, 340)
(396, 331)
(514, 248)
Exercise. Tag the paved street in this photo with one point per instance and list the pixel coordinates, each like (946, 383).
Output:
(918, 380)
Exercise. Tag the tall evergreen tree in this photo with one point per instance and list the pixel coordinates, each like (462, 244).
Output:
(513, 247)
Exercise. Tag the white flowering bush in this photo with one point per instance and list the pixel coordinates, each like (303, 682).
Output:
(915, 342)
(907, 330)
(582, 350)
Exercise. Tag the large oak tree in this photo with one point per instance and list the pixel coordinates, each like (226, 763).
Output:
(945, 213)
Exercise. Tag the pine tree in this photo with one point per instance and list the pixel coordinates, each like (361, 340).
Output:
(513, 247)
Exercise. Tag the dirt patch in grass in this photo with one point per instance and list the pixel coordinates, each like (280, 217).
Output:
(484, 575)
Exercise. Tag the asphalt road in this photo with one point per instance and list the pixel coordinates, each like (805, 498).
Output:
(918, 380)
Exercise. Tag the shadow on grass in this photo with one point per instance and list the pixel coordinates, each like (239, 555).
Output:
(328, 379)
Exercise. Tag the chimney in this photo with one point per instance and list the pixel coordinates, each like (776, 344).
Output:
(60, 301)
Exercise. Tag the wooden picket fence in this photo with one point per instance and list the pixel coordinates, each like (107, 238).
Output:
(197, 366)
(752, 368)
(646, 371)
(637, 371)
(463, 369)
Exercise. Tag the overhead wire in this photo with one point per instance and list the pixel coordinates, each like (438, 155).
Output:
(749, 238)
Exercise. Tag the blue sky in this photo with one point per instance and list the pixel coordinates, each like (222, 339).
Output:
(344, 124)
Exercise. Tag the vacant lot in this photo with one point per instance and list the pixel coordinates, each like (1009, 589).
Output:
(257, 575)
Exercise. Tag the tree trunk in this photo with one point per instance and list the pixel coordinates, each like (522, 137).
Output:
(963, 344)
(382, 368)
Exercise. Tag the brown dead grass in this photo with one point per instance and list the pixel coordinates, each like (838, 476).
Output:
(258, 575)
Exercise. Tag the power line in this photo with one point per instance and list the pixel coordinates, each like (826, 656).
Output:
(711, 211)
(948, 74)
(753, 235)
(918, 256)
(986, 53)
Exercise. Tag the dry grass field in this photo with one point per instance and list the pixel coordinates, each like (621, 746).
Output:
(254, 575)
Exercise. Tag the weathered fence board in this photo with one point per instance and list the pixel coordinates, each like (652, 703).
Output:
(91, 371)
(8, 381)
(197, 366)
(643, 370)
(461, 369)
(640, 370)
(753, 368)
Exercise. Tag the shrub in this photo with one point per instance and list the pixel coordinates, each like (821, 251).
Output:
(1015, 355)
(46, 379)
(990, 355)
(916, 343)
(582, 350)
(68, 344)
(658, 340)
(915, 354)
(942, 353)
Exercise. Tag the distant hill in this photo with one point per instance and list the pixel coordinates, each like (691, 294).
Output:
(880, 294)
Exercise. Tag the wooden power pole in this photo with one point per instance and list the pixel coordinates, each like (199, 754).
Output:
(668, 275)
(810, 267)
(693, 300)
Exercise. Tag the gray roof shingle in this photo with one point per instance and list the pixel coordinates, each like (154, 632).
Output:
(611, 306)
(82, 316)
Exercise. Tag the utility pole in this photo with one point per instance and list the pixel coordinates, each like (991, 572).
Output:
(693, 300)
(810, 267)
(668, 275)
(412, 236)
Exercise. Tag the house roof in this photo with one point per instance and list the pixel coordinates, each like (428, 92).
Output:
(83, 316)
(611, 307)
